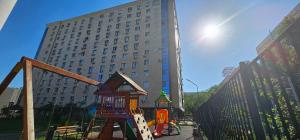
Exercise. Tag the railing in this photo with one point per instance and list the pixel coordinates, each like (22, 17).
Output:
(112, 105)
(261, 98)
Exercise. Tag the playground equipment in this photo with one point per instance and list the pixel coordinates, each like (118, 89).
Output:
(163, 117)
(119, 103)
(27, 65)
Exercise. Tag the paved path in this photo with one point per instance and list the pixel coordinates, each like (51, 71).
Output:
(186, 134)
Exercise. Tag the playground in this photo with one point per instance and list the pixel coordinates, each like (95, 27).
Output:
(118, 108)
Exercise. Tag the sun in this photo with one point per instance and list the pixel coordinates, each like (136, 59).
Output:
(211, 31)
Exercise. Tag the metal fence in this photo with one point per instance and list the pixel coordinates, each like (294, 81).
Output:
(261, 98)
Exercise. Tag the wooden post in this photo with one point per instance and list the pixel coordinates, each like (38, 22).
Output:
(28, 115)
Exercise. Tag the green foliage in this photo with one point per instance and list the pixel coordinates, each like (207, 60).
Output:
(193, 100)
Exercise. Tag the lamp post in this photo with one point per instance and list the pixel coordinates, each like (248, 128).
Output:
(193, 84)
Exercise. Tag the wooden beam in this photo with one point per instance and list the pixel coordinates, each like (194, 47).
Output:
(10, 77)
(28, 116)
(60, 71)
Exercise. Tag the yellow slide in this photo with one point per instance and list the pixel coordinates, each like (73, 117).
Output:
(151, 123)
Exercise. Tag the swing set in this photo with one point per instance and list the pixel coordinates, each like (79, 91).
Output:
(27, 64)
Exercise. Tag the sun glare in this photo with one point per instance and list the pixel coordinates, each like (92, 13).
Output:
(211, 31)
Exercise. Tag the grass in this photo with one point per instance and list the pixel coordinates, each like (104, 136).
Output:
(11, 125)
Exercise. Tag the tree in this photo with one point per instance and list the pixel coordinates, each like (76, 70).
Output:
(194, 100)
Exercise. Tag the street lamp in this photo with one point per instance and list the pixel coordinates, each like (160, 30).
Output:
(193, 84)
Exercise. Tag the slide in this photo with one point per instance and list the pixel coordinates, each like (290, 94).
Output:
(151, 123)
(129, 132)
(158, 131)
(142, 128)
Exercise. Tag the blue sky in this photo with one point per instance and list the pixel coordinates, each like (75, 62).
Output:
(203, 60)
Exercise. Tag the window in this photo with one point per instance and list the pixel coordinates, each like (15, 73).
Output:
(81, 62)
(71, 63)
(94, 52)
(126, 39)
(138, 7)
(146, 52)
(129, 9)
(146, 84)
(123, 66)
(148, 25)
(119, 19)
(88, 32)
(90, 70)
(135, 55)
(118, 26)
(100, 77)
(147, 11)
(82, 53)
(113, 58)
(124, 56)
(97, 37)
(65, 57)
(84, 99)
(138, 14)
(135, 46)
(48, 90)
(63, 64)
(136, 37)
(103, 59)
(137, 28)
(78, 70)
(115, 41)
(105, 50)
(125, 47)
(146, 73)
(133, 74)
(127, 31)
(106, 42)
(114, 49)
(101, 68)
(146, 62)
(93, 60)
(107, 35)
(134, 63)
(72, 99)
(117, 33)
(73, 90)
(111, 67)
(137, 21)
(147, 34)
(127, 24)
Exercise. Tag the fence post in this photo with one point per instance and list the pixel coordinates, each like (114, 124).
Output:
(253, 109)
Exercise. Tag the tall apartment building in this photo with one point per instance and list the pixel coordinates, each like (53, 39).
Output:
(9, 97)
(140, 39)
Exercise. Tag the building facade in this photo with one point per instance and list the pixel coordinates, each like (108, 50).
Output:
(9, 97)
(140, 39)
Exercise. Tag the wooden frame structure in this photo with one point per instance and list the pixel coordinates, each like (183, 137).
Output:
(27, 64)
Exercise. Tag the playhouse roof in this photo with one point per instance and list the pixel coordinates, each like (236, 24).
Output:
(163, 97)
(117, 80)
